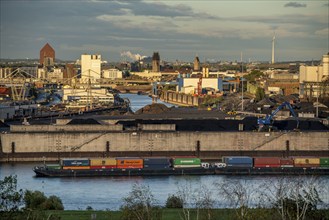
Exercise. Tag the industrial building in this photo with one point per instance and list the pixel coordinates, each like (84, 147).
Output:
(314, 80)
(90, 67)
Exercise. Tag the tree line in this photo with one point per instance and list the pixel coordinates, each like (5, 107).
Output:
(283, 198)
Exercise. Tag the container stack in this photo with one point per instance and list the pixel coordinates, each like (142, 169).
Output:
(306, 162)
(324, 162)
(103, 163)
(287, 162)
(54, 166)
(238, 161)
(267, 162)
(129, 162)
(75, 164)
(155, 163)
(186, 162)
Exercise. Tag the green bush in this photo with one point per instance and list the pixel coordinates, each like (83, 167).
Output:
(36, 200)
(174, 202)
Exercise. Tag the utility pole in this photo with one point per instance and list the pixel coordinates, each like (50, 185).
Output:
(317, 92)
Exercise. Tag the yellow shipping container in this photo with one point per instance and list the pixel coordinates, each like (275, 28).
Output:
(103, 161)
(305, 160)
(76, 167)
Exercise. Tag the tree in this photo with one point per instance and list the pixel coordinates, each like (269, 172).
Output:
(204, 202)
(36, 200)
(199, 199)
(296, 198)
(140, 204)
(253, 75)
(10, 198)
(260, 94)
(174, 202)
(239, 196)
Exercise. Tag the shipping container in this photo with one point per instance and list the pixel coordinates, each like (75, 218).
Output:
(103, 167)
(75, 162)
(324, 162)
(306, 161)
(125, 163)
(187, 166)
(287, 162)
(130, 166)
(76, 167)
(307, 165)
(242, 165)
(238, 160)
(103, 162)
(156, 166)
(267, 162)
(156, 160)
(54, 166)
(186, 161)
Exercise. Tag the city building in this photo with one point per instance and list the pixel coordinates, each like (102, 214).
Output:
(196, 66)
(90, 67)
(47, 56)
(156, 62)
(111, 74)
(314, 80)
(91, 96)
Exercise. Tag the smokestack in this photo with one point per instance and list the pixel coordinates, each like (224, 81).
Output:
(273, 46)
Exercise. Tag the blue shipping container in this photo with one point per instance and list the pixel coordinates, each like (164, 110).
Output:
(238, 160)
(156, 166)
(239, 165)
(159, 160)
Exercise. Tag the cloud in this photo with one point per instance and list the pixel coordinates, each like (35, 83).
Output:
(323, 32)
(134, 57)
(295, 5)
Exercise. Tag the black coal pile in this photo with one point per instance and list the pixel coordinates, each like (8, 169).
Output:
(248, 124)
(88, 121)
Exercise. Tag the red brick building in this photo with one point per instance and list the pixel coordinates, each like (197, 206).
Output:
(47, 55)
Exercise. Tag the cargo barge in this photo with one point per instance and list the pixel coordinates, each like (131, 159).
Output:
(163, 166)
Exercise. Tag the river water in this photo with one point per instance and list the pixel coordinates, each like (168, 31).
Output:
(102, 193)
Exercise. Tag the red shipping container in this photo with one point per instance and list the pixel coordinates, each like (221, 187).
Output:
(287, 162)
(267, 165)
(267, 162)
(103, 167)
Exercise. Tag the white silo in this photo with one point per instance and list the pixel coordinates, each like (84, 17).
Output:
(325, 64)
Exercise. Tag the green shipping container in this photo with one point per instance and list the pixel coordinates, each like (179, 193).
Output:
(186, 161)
(53, 166)
(324, 162)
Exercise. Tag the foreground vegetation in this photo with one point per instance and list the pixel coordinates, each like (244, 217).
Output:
(165, 214)
(286, 199)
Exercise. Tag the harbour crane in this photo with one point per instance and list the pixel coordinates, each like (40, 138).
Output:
(268, 120)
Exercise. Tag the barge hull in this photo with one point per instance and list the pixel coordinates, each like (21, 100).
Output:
(43, 172)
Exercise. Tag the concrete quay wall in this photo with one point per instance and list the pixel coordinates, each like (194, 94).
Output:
(148, 141)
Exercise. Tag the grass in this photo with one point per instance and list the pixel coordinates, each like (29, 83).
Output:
(166, 214)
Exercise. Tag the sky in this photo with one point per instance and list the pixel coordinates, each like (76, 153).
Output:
(124, 30)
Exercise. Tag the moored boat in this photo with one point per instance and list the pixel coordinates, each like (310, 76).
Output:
(163, 166)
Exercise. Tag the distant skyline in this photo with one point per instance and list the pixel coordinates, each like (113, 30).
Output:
(178, 30)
